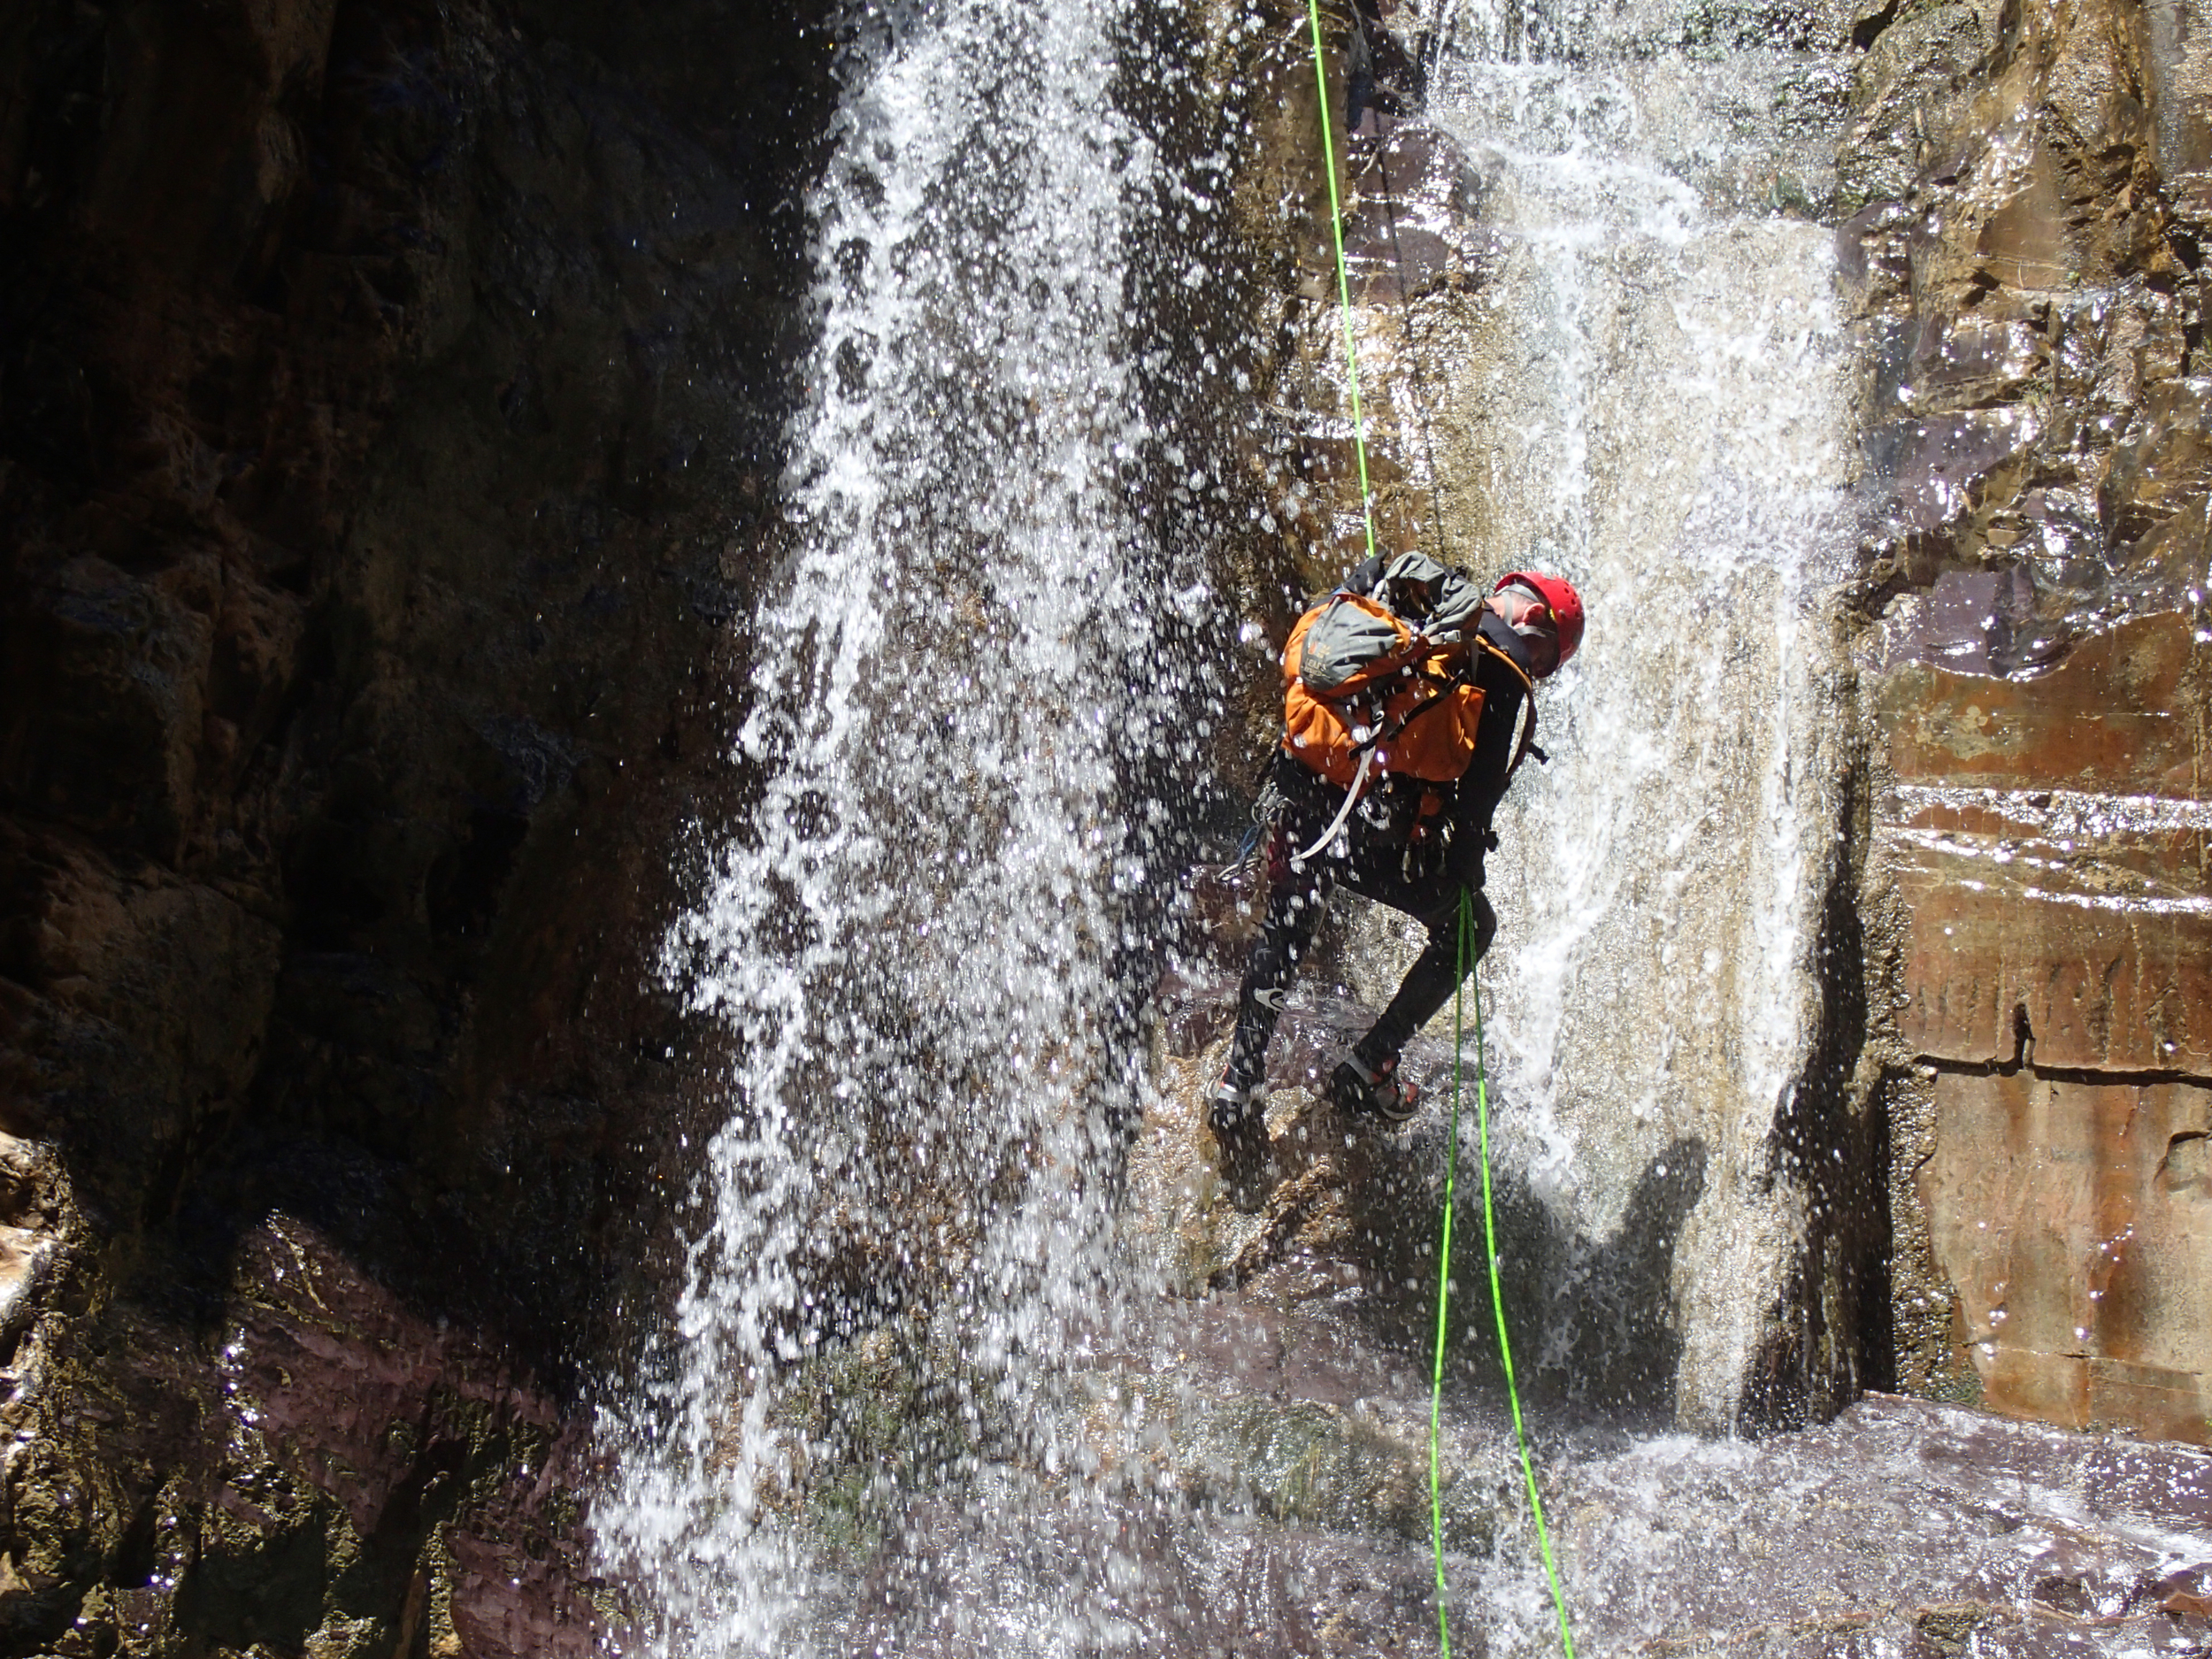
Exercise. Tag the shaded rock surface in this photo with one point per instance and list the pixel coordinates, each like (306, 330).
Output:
(388, 409)
(347, 1476)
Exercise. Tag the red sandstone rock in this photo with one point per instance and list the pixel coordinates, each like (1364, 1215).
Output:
(2075, 1220)
(2047, 840)
(2024, 261)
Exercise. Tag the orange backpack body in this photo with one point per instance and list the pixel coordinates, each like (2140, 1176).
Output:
(1359, 676)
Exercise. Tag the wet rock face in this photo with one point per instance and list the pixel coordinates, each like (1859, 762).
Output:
(1349, 1217)
(388, 405)
(1902, 1526)
(2045, 838)
(348, 1478)
(2027, 269)
(1254, 1465)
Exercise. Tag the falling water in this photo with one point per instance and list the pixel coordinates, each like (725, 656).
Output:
(916, 936)
(900, 1395)
(1655, 402)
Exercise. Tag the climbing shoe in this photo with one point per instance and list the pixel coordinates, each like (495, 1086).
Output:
(1359, 1090)
(1248, 1157)
(1230, 1106)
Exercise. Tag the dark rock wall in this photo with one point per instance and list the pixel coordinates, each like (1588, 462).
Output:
(388, 401)
(2028, 266)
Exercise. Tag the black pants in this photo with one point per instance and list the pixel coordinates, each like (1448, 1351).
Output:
(1374, 864)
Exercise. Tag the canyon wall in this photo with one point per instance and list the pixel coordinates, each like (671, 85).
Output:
(390, 396)
(2025, 259)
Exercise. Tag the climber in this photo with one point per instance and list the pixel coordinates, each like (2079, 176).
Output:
(1445, 678)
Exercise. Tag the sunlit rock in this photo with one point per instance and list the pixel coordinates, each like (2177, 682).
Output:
(2025, 274)
(2046, 838)
(2073, 1219)
(1636, 374)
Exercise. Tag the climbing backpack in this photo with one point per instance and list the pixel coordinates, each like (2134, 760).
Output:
(1378, 682)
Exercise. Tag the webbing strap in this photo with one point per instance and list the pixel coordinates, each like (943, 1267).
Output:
(1444, 1300)
(1351, 800)
(1527, 745)
(1497, 1303)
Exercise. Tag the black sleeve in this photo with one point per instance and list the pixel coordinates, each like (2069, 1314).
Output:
(1475, 802)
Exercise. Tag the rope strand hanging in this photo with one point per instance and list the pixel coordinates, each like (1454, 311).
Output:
(1343, 281)
(1497, 1297)
(1482, 1087)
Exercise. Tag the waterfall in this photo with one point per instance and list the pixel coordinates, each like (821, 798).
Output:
(961, 727)
(1657, 406)
(914, 933)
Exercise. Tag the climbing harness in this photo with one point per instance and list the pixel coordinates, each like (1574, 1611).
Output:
(1482, 1088)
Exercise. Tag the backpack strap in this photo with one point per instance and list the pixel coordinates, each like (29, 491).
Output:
(1443, 694)
(1527, 745)
(1351, 800)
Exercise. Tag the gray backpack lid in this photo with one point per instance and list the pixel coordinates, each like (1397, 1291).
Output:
(1342, 641)
(1435, 597)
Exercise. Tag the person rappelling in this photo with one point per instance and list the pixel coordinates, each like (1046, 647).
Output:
(1404, 691)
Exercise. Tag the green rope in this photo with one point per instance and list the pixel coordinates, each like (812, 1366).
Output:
(1482, 1087)
(1497, 1305)
(1343, 282)
(1444, 1296)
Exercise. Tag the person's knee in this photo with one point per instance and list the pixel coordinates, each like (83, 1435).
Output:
(1479, 921)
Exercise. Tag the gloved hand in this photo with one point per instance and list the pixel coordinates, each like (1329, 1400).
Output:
(1469, 850)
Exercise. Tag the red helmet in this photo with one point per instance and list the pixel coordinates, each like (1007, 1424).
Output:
(1560, 599)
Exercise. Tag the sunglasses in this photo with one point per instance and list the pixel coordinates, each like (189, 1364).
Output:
(1537, 625)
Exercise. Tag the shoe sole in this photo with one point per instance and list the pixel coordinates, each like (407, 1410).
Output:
(1405, 1107)
(1402, 1109)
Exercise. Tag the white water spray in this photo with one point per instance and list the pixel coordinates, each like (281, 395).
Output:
(1665, 423)
(912, 935)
